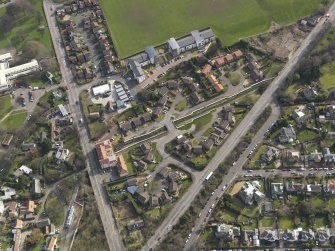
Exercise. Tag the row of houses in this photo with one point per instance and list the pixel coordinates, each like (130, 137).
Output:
(76, 7)
(254, 237)
(196, 40)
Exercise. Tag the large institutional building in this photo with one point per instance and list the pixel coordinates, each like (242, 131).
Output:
(7, 73)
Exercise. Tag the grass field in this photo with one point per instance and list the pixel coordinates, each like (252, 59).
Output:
(136, 24)
(14, 121)
(5, 105)
(328, 75)
(27, 24)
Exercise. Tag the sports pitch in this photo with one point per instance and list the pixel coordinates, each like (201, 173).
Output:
(137, 23)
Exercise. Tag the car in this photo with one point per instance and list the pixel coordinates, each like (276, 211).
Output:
(186, 241)
(213, 205)
(213, 192)
(189, 235)
(199, 214)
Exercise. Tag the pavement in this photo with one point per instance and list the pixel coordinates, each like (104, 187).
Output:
(181, 206)
(112, 235)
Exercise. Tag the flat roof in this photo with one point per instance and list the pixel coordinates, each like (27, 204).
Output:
(101, 89)
(121, 93)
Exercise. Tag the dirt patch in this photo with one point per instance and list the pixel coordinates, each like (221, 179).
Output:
(236, 188)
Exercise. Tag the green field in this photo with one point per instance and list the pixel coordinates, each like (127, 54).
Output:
(5, 105)
(14, 121)
(26, 24)
(328, 75)
(138, 23)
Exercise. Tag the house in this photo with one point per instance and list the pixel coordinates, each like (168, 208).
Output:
(180, 139)
(227, 113)
(142, 59)
(224, 125)
(187, 146)
(277, 190)
(208, 144)
(315, 156)
(287, 135)
(141, 165)
(250, 193)
(299, 117)
(36, 187)
(206, 69)
(254, 69)
(157, 111)
(145, 148)
(164, 198)
(164, 173)
(308, 92)
(173, 188)
(197, 150)
(172, 84)
(63, 110)
(162, 101)
(270, 154)
(142, 197)
(153, 201)
(105, 153)
(26, 170)
(18, 224)
(135, 225)
(42, 223)
(215, 83)
(135, 67)
(163, 91)
(28, 146)
(7, 193)
(220, 132)
(61, 155)
(290, 235)
(294, 186)
(269, 235)
(322, 234)
(30, 206)
(51, 243)
(63, 122)
(122, 166)
(327, 156)
(17, 240)
(136, 122)
(313, 189)
(193, 87)
(196, 98)
(291, 156)
(146, 117)
(131, 182)
(227, 232)
(152, 54)
(149, 157)
(308, 235)
(125, 126)
(12, 210)
(330, 112)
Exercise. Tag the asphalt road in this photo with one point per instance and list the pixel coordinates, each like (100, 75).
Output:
(181, 206)
(112, 235)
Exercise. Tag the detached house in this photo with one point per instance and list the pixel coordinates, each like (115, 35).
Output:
(287, 135)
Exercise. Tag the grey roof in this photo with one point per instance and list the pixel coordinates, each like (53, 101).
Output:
(140, 58)
(196, 36)
(173, 44)
(150, 50)
(186, 41)
(206, 34)
(136, 68)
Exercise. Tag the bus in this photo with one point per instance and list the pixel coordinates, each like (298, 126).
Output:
(69, 218)
(208, 176)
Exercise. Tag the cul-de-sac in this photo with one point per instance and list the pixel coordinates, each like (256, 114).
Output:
(150, 125)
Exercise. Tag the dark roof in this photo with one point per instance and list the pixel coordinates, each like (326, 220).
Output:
(163, 91)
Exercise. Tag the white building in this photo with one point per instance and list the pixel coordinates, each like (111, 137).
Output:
(25, 169)
(250, 193)
(136, 68)
(197, 39)
(7, 73)
(101, 89)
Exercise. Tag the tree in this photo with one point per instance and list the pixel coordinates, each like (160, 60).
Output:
(6, 23)
(46, 145)
(34, 237)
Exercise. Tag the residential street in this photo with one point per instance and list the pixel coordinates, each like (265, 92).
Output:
(267, 97)
(105, 210)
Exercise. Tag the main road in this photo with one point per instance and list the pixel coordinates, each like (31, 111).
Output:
(181, 206)
(112, 235)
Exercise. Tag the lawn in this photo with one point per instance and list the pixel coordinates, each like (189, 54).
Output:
(235, 78)
(268, 222)
(55, 210)
(158, 157)
(306, 136)
(136, 24)
(28, 25)
(15, 120)
(181, 105)
(5, 105)
(317, 202)
(286, 223)
(331, 204)
(328, 75)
